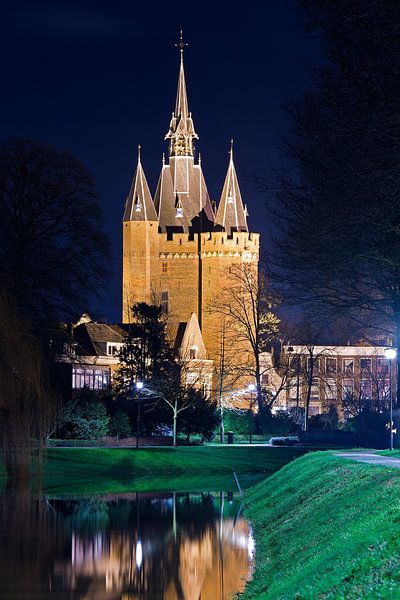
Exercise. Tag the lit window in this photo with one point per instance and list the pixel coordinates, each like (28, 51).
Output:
(112, 349)
(294, 389)
(348, 388)
(330, 389)
(330, 365)
(383, 366)
(98, 379)
(366, 389)
(348, 365)
(365, 364)
(69, 349)
(314, 393)
(191, 378)
(383, 388)
(312, 364)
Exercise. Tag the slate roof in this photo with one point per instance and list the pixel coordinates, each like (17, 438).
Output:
(139, 203)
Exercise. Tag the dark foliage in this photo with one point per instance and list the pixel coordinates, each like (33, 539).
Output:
(53, 256)
(338, 211)
(120, 425)
(201, 417)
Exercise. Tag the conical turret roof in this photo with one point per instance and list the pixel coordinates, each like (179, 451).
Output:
(231, 214)
(139, 204)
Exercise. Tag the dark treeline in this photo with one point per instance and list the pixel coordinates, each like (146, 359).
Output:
(337, 206)
(53, 259)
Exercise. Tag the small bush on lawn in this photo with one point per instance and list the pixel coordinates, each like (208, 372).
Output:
(120, 425)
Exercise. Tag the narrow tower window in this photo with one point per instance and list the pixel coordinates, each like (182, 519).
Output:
(230, 197)
(164, 303)
(138, 204)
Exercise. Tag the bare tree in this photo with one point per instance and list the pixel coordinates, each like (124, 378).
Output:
(337, 206)
(178, 388)
(249, 323)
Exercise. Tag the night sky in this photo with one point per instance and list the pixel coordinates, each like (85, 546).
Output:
(97, 78)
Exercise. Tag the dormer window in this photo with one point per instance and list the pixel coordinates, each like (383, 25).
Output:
(230, 197)
(113, 348)
(69, 349)
(138, 205)
(193, 353)
(178, 208)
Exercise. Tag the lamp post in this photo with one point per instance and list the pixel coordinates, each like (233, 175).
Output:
(251, 387)
(390, 355)
(139, 387)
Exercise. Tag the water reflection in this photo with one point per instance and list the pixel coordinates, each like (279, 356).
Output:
(126, 547)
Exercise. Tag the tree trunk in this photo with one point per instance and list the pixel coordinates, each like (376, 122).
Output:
(308, 397)
(397, 367)
(175, 420)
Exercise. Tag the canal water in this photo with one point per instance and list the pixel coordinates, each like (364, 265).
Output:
(131, 546)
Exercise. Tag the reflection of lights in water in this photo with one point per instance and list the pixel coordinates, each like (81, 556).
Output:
(139, 554)
(251, 546)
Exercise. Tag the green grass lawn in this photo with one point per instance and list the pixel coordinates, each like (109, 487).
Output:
(394, 453)
(326, 528)
(91, 470)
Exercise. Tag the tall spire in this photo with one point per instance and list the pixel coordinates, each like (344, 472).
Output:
(139, 204)
(231, 215)
(181, 129)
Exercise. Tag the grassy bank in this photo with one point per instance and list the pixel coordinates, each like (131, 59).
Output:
(326, 528)
(87, 470)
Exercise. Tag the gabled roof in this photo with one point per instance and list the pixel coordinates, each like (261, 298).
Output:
(231, 214)
(92, 336)
(139, 204)
(192, 338)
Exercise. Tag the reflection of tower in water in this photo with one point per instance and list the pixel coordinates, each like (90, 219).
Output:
(172, 548)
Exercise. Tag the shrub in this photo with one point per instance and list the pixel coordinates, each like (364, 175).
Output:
(120, 425)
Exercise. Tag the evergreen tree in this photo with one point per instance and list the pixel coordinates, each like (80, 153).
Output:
(201, 417)
(146, 357)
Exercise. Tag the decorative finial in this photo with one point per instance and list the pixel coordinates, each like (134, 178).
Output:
(231, 150)
(199, 158)
(138, 152)
(163, 158)
(181, 44)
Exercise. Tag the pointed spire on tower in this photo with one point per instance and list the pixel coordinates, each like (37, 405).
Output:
(181, 129)
(231, 214)
(181, 105)
(139, 204)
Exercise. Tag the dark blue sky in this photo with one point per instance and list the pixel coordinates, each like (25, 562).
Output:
(97, 78)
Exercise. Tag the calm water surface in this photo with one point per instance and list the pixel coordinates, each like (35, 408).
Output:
(124, 547)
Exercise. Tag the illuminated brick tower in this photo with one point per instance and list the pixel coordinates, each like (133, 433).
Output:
(178, 249)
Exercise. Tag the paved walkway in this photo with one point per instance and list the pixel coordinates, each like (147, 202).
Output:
(371, 458)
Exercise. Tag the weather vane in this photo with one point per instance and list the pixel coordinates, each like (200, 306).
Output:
(181, 44)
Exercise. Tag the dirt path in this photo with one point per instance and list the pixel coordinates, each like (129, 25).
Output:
(371, 458)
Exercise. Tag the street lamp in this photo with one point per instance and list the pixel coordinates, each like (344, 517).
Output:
(251, 387)
(139, 387)
(390, 355)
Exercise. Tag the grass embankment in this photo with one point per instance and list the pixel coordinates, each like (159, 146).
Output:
(392, 453)
(326, 528)
(90, 470)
